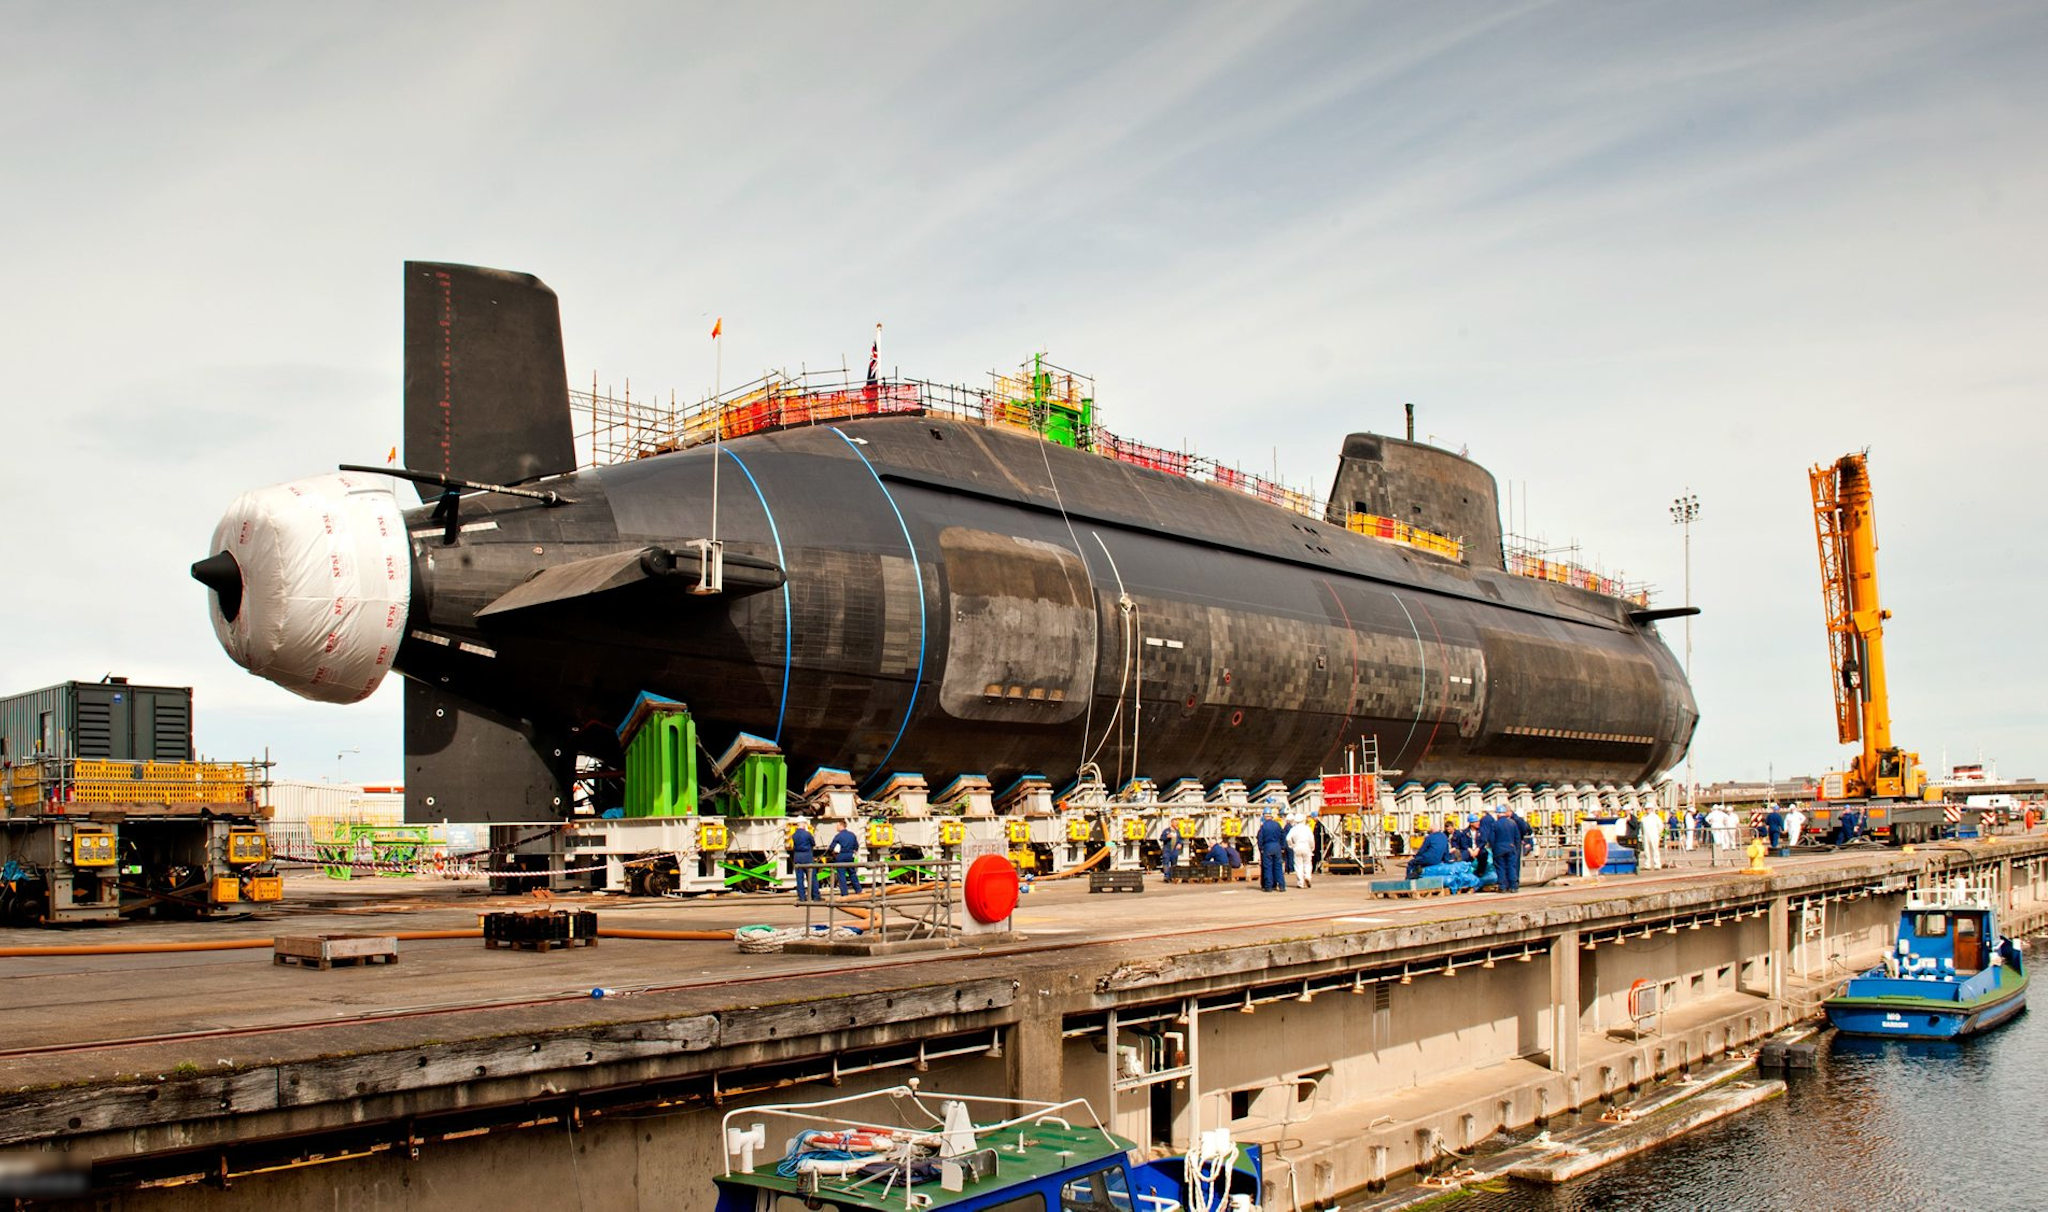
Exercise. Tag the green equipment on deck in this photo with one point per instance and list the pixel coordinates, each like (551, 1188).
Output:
(759, 778)
(763, 785)
(660, 740)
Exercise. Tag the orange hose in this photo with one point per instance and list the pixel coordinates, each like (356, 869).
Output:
(225, 944)
(218, 944)
(673, 936)
(1070, 872)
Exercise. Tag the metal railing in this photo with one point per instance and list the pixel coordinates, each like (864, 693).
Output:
(46, 784)
(880, 910)
(617, 429)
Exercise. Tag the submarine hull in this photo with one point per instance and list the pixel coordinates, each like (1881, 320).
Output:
(904, 593)
(967, 600)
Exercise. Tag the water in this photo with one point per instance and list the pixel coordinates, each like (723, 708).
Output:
(1881, 1124)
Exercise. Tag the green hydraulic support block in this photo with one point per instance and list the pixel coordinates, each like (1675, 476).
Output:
(763, 785)
(661, 758)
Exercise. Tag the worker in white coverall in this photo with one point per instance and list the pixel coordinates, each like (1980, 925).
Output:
(1795, 820)
(1653, 840)
(1723, 823)
(1301, 839)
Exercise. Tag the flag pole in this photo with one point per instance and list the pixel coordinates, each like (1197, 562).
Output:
(717, 415)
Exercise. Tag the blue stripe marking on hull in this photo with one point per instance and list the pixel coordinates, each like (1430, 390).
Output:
(918, 570)
(788, 618)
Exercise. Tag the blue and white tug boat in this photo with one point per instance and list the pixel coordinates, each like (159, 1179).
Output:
(1951, 973)
(904, 1148)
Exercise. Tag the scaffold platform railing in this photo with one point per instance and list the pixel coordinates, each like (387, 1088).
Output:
(1053, 403)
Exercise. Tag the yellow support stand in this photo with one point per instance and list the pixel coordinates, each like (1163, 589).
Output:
(1756, 859)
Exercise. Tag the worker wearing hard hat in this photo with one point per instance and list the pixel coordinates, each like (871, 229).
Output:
(1301, 840)
(845, 849)
(1272, 840)
(803, 853)
(1652, 828)
(1508, 832)
(1436, 848)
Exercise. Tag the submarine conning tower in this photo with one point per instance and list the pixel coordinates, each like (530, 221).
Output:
(1421, 485)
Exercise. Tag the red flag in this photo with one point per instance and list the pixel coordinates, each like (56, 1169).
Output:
(717, 327)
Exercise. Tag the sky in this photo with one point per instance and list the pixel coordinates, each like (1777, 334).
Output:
(1618, 252)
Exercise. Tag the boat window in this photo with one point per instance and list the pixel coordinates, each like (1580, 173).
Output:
(1102, 1191)
(1032, 1202)
(1930, 925)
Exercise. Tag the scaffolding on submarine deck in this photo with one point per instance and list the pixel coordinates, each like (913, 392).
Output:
(1051, 402)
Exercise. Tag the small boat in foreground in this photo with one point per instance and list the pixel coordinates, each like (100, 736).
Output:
(909, 1148)
(1950, 975)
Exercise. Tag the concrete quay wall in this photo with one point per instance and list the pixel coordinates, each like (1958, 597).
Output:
(1354, 1045)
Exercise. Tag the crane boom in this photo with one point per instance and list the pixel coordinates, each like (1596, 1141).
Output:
(1846, 527)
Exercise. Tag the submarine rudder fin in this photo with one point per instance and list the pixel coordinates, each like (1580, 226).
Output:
(486, 387)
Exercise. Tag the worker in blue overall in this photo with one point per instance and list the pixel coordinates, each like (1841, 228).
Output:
(1774, 824)
(1845, 827)
(1435, 848)
(1461, 845)
(845, 849)
(1169, 851)
(1272, 841)
(803, 851)
(1507, 848)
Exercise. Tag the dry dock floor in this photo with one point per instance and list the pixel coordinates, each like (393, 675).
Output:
(83, 1018)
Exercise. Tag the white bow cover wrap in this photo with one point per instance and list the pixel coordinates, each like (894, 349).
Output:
(326, 582)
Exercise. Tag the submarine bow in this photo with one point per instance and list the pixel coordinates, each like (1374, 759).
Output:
(311, 583)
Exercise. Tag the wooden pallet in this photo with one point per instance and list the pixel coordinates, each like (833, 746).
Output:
(324, 951)
(1116, 881)
(539, 944)
(1197, 873)
(1410, 889)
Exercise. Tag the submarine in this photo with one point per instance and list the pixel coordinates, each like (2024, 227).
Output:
(885, 587)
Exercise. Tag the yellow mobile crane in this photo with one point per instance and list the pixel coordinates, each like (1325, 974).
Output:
(1847, 530)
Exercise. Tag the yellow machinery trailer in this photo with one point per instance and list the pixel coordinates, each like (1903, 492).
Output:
(93, 839)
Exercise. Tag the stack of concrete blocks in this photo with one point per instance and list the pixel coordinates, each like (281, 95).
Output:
(907, 816)
(1186, 802)
(1411, 807)
(1133, 817)
(967, 814)
(1441, 805)
(1033, 821)
(1472, 800)
(1229, 800)
(836, 794)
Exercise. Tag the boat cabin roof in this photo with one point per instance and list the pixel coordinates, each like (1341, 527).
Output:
(1025, 1149)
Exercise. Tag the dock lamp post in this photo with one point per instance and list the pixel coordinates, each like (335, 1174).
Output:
(1684, 512)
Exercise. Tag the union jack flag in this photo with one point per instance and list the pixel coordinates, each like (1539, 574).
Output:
(875, 356)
